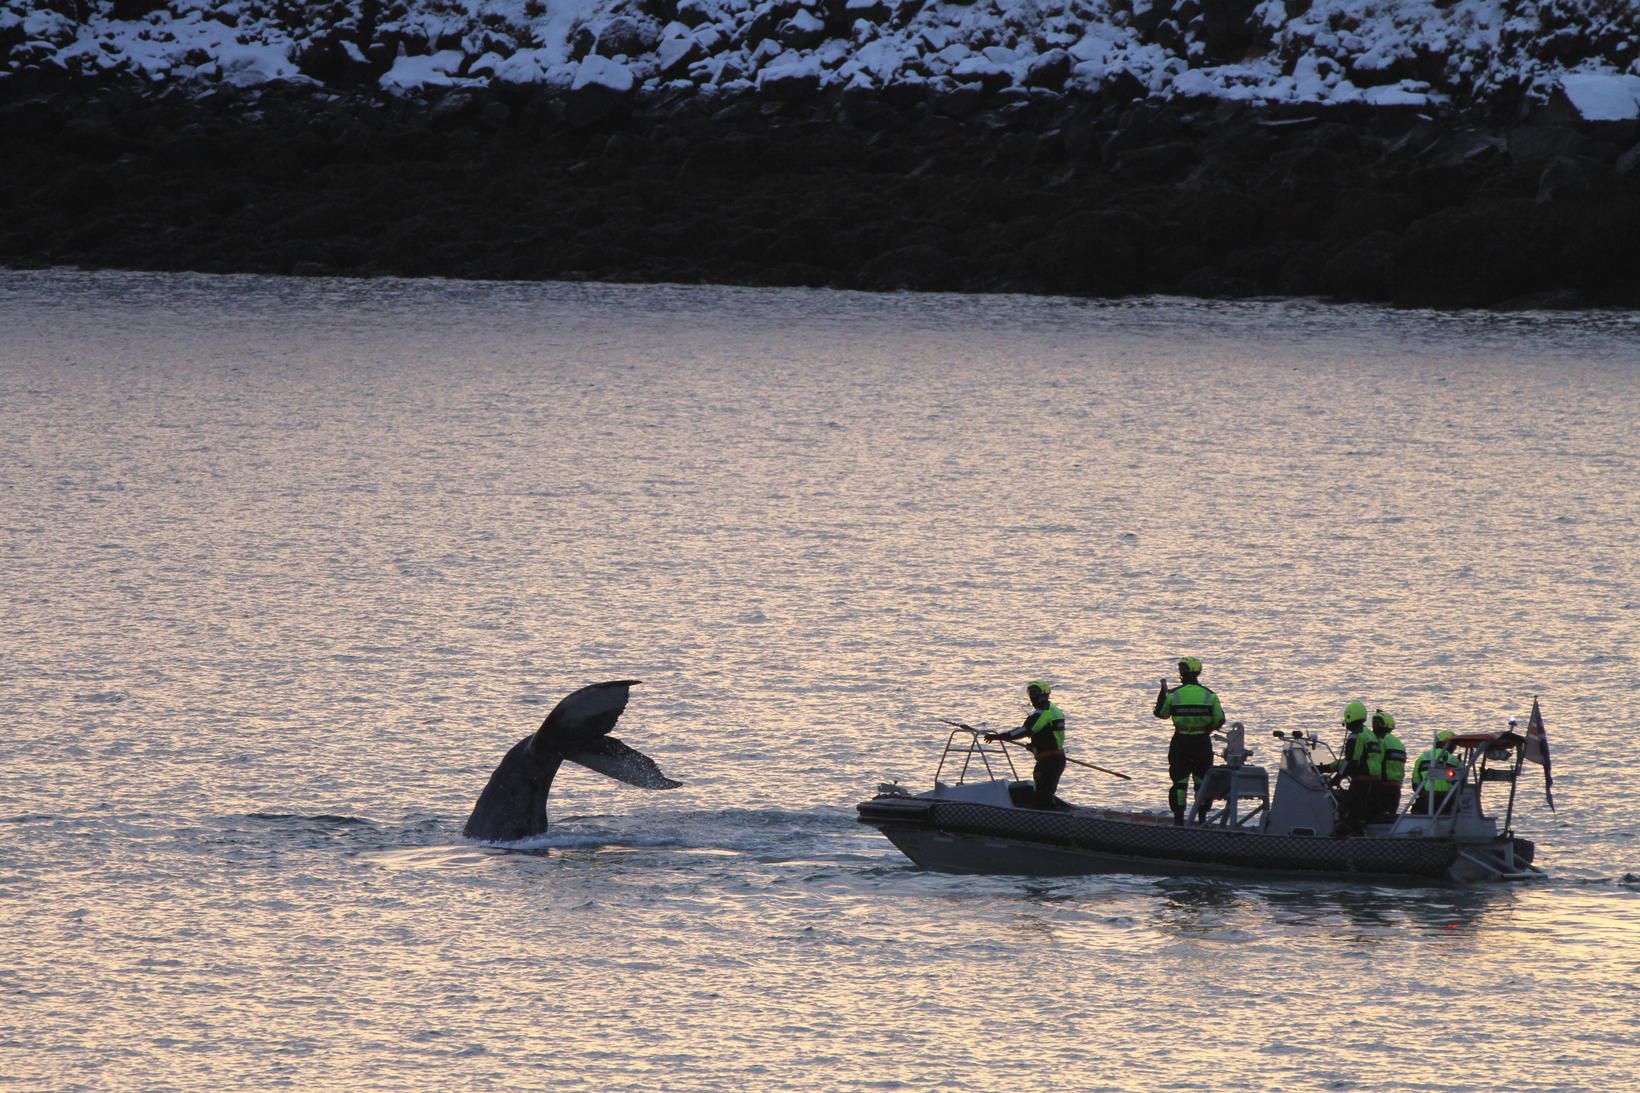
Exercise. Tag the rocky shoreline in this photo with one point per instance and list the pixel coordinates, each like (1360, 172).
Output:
(901, 188)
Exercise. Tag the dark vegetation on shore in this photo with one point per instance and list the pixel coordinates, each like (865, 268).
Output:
(901, 189)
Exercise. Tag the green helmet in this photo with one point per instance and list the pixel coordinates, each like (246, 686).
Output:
(1354, 712)
(1191, 665)
(1382, 722)
(1039, 685)
(1444, 735)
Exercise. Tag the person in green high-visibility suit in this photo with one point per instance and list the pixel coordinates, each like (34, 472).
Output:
(1432, 775)
(1195, 712)
(1386, 800)
(1045, 725)
(1361, 760)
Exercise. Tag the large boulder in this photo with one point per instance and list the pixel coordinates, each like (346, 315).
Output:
(1049, 71)
(1363, 270)
(766, 21)
(694, 13)
(1628, 164)
(625, 36)
(1570, 178)
(1466, 256)
(600, 90)
(1534, 147)
(1094, 253)
(1588, 243)
(1225, 30)
(677, 53)
(804, 30)
(842, 14)
(337, 61)
(788, 78)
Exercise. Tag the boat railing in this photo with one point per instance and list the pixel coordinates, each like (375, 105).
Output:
(1459, 811)
(974, 747)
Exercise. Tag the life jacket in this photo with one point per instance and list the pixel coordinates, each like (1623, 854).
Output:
(1366, 755)
(1395, 758)
(1047, 729)
(1429, 772)
(1193, 708)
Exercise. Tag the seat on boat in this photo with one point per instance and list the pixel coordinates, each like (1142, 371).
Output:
(1232, 786)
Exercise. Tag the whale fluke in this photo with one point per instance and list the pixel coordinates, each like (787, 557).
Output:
(612, 758)
(514, 803)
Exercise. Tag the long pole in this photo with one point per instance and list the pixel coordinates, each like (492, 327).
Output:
(1068, 759)
(1083, 763)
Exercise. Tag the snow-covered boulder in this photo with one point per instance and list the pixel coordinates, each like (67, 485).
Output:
(803, 30)
(677, 53)
(790, 77)
(625, 36)
(882, 59)
(428, 70)
(332, 58)
(1582, 53)
(1603, 96)
(1049, 71)
(603, 74)
(984, 71)
(600, 87)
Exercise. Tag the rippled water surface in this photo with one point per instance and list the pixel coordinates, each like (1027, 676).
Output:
(289, 564)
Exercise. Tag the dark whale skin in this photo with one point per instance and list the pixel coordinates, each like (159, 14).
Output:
(513, 805)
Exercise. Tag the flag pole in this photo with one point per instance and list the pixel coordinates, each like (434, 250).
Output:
(1537, 750)
(1514, 780)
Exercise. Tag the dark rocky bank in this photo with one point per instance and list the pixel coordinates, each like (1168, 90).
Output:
(901, 189)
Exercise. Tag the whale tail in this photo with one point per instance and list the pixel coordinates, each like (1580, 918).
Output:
(615, 760)
(586, 714)
(514, 802)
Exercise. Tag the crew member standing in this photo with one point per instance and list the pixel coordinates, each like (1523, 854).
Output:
(1387, 799)
(1196, 712)
(1045, 725)
(1362, 761)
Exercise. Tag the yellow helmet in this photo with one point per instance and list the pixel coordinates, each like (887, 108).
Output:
(1039, 685)
(1354, 712)
(1191, 665)
(1382, 721)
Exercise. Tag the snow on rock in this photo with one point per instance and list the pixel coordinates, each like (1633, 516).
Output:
(678, 51)
(1603, 96)
(605, 73)
(246, 65)
(600, 87)
(48, 26)
(882, 59)
(789, 75)
(1400, 52)
(436, 70)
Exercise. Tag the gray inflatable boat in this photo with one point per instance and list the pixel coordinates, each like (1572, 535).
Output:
(985, 824)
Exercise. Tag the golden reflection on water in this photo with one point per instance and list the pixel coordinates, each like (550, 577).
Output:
(292, 564)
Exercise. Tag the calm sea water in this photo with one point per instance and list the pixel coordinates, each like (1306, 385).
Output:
(287, 565)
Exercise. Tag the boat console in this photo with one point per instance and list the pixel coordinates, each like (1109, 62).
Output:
(1305, 805)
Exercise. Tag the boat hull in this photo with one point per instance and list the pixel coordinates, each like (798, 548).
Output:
(966, 837)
